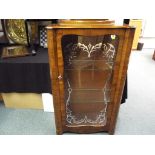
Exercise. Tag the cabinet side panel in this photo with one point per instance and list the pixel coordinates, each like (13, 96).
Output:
(61, 75)
(52, 51)
(126, 50)
(115, 74)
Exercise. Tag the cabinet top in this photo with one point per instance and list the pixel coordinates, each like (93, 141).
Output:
(87, 23)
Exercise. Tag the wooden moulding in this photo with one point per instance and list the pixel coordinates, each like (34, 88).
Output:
(86, 24)
(86, 21)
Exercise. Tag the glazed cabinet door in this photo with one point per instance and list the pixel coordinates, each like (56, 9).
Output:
(88, 62)
(88, 67)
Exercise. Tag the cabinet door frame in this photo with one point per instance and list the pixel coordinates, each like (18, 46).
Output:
(57, 71)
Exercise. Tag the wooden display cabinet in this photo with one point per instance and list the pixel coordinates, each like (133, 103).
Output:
(88, 65)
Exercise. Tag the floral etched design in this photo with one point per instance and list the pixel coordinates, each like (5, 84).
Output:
(107, 49)
(108, 53)
(89, 48)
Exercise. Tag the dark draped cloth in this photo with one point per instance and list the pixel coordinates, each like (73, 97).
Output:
(26, 74)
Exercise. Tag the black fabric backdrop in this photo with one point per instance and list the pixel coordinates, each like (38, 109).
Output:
(26, 74)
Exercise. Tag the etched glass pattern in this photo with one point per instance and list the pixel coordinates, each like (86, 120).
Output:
(88, 68)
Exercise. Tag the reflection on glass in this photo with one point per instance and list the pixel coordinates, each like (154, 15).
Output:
(88, 67)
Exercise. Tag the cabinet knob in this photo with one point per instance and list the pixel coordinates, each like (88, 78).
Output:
(59, 77)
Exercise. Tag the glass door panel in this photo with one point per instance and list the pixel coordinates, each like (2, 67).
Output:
(88, 70)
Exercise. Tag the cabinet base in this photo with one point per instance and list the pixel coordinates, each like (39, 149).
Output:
(84, 130)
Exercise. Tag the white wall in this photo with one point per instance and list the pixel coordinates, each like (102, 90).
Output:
(148, 33)
(149, 28)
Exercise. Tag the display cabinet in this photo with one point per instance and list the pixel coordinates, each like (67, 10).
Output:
(88, 65)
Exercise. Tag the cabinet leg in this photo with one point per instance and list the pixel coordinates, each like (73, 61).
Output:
(58, 132)
(111, 132)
